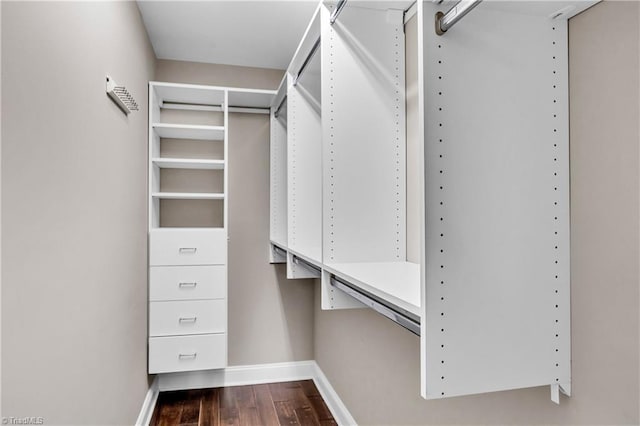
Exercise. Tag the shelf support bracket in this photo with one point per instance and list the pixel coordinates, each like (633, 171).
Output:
(558, 388)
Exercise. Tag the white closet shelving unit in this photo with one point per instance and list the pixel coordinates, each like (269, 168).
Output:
(490, 295)
(188, 220)
(278, 176)
(304, 156)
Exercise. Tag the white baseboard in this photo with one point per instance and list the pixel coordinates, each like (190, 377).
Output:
(238, 376)
(340, 412)
(149, 404)
(248, 375)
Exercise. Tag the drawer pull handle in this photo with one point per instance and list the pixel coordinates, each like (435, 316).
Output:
(190, 250)
(187, 319)
(187, 284)
(193, 355)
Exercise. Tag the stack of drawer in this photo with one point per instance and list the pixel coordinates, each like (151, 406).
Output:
(187, 300)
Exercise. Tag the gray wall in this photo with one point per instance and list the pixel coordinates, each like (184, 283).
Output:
(374, 365)
(270, 317)
(74, 211)
(217, 75)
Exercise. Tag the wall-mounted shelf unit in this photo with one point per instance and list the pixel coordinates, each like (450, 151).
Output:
(188, 217)
(482, 266)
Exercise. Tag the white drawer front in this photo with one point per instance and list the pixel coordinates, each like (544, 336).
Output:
(187, 247)
(187, 282)
(187, 317)
(187, 353)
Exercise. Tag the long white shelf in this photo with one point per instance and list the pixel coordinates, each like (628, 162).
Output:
(198, 95)
(188, 93)
(188, 195)
(184, 163)
(189, 131)
(395, 282)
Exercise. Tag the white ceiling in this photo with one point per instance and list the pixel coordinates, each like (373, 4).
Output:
(257, 33)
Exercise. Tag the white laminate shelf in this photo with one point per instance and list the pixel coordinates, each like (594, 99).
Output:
(188, 93)
(189, 131)
(395, 282)
(184, 163)
(188, 195)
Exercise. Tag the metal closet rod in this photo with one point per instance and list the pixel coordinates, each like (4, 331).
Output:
(299, 261)
(307, 60)
(280, 249)
(336, 12)
(395, 314)
(444, 21)
(277, 111)
(332, 19)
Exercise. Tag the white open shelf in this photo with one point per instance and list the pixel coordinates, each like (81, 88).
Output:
(395, 282)
(188, 94)
(188, 195)
(189, 131)
(188, 163)
(251, 98)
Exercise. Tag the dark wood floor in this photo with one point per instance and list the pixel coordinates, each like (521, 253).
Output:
(288, 403)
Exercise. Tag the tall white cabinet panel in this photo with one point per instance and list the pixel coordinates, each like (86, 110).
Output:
(496, 311)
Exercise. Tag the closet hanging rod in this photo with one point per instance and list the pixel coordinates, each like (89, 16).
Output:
(280, 105)
(215, 108)
(444, 21)
(306, 264)
(190, 106)
(306, 62)
(280, 249)
(395, 314)
(336, 12)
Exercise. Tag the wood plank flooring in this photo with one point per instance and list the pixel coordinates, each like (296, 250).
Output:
(274, 404)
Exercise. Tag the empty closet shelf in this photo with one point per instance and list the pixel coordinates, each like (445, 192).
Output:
(180, 163)
(251, 98)
(189, 131)
(188, 196)
(395, 282)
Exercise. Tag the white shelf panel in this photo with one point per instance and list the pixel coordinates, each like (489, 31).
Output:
(251, 98)
(184, 163)
(188, 94)
(189, 131)
(188, 196)
(395, 282)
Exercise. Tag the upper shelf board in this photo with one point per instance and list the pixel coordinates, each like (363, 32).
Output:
(189, 131)
(246, 98)
(188, 94)
(374, 4)
(188, 195)
(193, 94)
(395, 282)
(559, 9)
